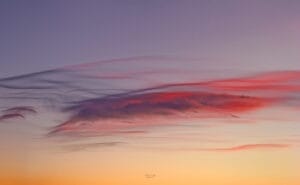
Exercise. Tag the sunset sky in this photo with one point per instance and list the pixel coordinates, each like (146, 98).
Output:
(136, 92)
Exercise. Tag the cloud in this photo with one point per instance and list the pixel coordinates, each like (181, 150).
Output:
(20, 109)
(106, 98)
(6, 117)
(16, 113)
(278, 81)
(110, 115)
(87, 146)
(246, 147)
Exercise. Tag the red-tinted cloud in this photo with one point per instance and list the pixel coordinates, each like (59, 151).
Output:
(283, 81)
(108, 98)
(114, 115)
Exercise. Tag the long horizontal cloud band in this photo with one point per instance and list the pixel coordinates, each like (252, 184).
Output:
(139, 109)
(100, 98)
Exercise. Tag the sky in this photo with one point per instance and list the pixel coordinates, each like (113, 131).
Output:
(41, 35)
(149, 92)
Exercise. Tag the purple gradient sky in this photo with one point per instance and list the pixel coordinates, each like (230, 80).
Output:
(38, 35)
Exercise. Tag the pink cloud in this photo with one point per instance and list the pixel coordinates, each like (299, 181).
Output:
(280, 81)
(104, 98)
(247, 147)
(115, 115)
(238, 148)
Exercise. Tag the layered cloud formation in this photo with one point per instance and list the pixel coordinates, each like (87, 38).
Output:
(131, 95)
